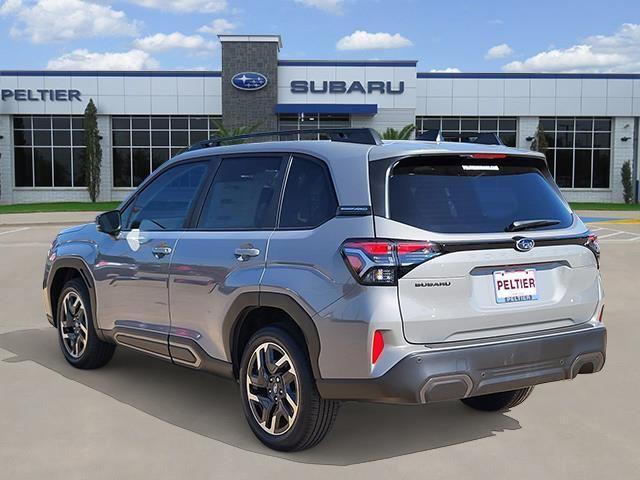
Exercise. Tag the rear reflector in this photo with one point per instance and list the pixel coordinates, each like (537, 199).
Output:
(377, 346)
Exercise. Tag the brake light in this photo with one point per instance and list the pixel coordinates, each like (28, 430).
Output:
(382, 262)
(601, 313)
(377, 346)
(488, 156)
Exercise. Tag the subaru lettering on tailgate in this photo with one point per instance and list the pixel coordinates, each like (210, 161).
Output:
(249, 81)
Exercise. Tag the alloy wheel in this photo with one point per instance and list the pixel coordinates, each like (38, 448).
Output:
(272, 388)
(74, 329)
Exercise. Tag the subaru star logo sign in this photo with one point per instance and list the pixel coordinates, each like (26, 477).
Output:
(249, 81)
(525, 244)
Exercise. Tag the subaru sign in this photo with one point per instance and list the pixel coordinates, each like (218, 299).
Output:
(525, 244)
(339, 86)
(249, 81)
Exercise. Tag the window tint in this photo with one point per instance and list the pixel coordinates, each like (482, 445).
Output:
(443, 196)
(309, 199)
(244, 194)
(165, 202)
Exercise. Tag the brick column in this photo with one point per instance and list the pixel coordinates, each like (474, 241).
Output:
(242, 53)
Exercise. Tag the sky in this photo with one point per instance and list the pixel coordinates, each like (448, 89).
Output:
(467, 36)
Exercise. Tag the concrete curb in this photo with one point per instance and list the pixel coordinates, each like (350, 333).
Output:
(46, 218)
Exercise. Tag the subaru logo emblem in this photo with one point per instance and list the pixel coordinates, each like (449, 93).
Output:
(525, 244)
(249, 81)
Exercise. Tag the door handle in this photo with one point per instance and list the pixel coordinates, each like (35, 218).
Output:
(244, 253)
(161, 251)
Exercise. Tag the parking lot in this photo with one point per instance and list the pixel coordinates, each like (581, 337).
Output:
(140, 417)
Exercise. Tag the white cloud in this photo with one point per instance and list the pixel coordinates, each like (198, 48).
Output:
(445, 70)
(495, 21)
(62, 20)
(161, 42)
(361, 40)
(619, 52)
(499, 51)
(10, 6)
(82, 59)
(185, 6)
(220, 26)
(331, 6)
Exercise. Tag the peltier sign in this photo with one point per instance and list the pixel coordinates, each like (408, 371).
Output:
(40, 95)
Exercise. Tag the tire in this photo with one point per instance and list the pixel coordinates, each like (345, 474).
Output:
(76, 334)
(272, 413)
(496, 402)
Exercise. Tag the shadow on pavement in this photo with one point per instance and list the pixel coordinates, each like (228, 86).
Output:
(210, 406)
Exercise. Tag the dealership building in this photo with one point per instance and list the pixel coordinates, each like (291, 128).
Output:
(144, 118)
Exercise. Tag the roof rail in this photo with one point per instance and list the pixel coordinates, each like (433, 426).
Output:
(366, 136)
(482, 138)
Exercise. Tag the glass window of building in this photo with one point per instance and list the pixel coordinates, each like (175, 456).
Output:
(143, 143)
(48, 151)
(579, 150)
(504, 127)
(310, 121)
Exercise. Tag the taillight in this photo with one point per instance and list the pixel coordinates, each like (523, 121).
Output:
(382, 262)
(601, 314)
(593, 245)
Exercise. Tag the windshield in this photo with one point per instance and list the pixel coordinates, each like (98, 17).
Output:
(466, 196)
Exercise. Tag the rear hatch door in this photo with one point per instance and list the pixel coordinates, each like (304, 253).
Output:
(498, 274)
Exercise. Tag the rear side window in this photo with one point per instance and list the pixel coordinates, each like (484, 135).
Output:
(244, 194)
(309, 198)
(166, 201)
(459, 196)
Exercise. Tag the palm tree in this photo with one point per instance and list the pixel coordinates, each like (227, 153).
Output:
(403, 134)
(224, 132)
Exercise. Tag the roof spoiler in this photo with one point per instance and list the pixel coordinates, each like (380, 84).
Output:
(482, 138)
(366, 136)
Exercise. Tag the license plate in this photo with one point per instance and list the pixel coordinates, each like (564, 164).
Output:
(515, 285)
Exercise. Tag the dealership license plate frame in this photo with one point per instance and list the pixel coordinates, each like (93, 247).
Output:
(527, 295)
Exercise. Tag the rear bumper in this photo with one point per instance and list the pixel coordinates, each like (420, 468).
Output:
(465, 371)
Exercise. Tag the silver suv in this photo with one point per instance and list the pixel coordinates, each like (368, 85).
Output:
(353, 269)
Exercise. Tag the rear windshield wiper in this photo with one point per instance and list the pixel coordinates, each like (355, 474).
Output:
(520, 225)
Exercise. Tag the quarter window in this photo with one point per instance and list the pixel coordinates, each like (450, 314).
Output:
(143, 143)
(309, 199)
(244, 194)
(165, 203)
(49, 151)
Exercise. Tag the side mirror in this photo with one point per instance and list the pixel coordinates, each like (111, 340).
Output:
(109, 222)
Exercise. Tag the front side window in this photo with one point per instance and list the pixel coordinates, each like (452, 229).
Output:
(165, 203)
(49, 151)
(244, 194)
(309, 198)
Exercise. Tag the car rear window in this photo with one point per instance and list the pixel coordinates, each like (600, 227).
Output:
(454, 195)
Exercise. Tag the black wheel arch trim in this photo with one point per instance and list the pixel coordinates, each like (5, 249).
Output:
(248, 301)
(80, 265)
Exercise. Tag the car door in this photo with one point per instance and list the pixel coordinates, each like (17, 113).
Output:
(224, 255)
(132, 268)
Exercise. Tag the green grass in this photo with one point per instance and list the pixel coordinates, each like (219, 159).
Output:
(59, 207)
(605, 206)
